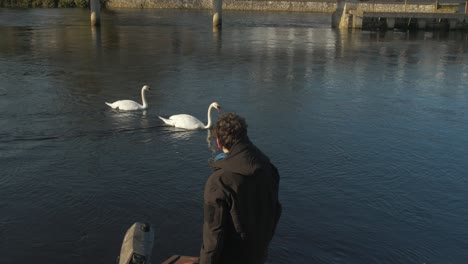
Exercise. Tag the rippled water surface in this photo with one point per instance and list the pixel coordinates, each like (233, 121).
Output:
(368, 130)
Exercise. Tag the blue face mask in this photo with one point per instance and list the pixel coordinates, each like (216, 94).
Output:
(220, 156)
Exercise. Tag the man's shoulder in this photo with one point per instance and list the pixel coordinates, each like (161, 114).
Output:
(220, 176)
(214, 177)
(224, 180)
(217, 186)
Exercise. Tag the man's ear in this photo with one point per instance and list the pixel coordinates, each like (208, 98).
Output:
(219, 143)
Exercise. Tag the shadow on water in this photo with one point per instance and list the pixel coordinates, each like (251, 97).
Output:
(120, 123)
(96, 33)
(91, 135)
(178, 134)
(217, 39)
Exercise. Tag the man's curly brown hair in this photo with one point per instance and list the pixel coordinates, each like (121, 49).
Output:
(230, 129)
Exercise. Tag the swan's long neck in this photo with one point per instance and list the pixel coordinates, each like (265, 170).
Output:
(209, 117)
(143, 98)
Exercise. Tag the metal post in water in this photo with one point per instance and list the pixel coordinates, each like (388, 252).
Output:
(217, 16)
(95, 8)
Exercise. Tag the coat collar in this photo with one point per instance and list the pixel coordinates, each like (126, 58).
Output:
(243, 158)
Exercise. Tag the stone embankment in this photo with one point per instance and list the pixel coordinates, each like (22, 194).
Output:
(421, 14)
(253, 5)
(451, 14)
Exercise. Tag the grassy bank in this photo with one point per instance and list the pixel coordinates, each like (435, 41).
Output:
(47, 3)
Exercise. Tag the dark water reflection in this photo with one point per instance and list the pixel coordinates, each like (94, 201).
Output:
(368, 130)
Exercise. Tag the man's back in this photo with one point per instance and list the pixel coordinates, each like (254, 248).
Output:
(241, 207)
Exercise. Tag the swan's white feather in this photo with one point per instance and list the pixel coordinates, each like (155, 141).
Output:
(189, 122)
(130, 105)
(184, 121)
(127, 105)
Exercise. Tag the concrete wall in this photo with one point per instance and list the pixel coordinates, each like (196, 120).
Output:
(190, 4)
(400, 7)
(302, 6)
(327, 6)
(410, 8)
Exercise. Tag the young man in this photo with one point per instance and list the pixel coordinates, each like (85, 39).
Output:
(240, 199)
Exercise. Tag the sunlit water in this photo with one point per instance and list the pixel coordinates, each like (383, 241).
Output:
(368, 130)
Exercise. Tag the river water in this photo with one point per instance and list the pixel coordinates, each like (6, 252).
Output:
(368, 130)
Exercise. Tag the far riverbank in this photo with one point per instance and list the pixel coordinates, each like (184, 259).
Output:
(381, 14)
(47, 3)
(316, 6)
(251, 5)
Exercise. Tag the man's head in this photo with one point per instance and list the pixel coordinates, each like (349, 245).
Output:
(230, 129)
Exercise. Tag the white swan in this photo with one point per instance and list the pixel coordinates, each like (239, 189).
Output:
(129, 105)
(188, 121)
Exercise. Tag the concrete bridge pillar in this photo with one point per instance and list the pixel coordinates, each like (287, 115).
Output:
(218, 14)
(338, 14)
(95, 8)
(390, 23)
(421, 23)
(357, 21)
(344, 21)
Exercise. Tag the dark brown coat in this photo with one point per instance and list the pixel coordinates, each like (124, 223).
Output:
(241, 207)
